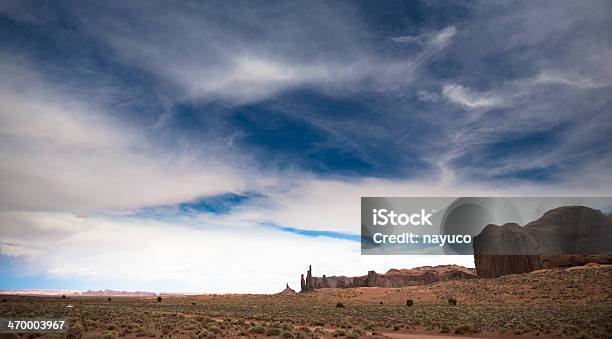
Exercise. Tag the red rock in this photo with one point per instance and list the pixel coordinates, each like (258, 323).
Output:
(393, 278)
(564, 236)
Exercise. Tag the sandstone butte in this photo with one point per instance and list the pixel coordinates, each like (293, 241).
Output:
(562, 237)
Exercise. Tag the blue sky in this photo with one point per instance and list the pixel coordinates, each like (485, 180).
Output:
(133, 133)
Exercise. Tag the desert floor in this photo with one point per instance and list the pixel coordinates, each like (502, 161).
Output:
(574, 302)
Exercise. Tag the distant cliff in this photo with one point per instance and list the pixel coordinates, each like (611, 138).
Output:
(393, 278)
(564, 236)
(89, 293)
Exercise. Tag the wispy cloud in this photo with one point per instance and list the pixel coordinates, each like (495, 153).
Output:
(439, 38)
(250, 58)
(64, 153)
(468, 98)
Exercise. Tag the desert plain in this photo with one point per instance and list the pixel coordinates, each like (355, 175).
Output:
(571, 302)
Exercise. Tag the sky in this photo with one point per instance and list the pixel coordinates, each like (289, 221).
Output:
(223, 146)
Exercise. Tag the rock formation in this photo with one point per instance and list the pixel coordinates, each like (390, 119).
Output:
(309, 280)
(309, 283)
(564, 236)
(393, 278)
(287, 290)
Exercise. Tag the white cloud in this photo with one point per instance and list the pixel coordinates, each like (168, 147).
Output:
(439, 38)
(470, 99)
(60, 153)
(568, 79)
(231, 253)
(69, 157)
(324, 48)
(141, 254)
(528, 103)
